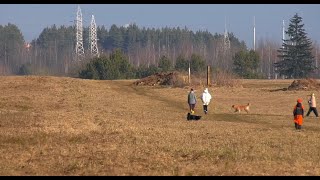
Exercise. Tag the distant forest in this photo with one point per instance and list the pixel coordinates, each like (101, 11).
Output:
(53, 52)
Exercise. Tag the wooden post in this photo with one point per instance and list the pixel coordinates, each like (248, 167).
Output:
(189, 77)
(208, 76)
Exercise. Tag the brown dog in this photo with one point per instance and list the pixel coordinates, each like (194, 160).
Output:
(239, 108)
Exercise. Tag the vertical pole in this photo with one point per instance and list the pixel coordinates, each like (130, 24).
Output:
(317, 60)
(154, 55)
(254, 33)
(269, 75)
(282, 33)
(191, 49)
(208, 76)
(174, 53)
(35, 54)
(56, 51)
(5, 58)
(159, 50)
(189, 77)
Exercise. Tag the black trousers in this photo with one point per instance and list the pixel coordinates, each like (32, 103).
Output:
(205, 108)
(314, 110)
(192, 106)
(297, 126)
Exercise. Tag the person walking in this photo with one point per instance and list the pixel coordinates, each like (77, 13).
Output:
(192, 100)
(312, 105)
(205, 97)
(298, 113)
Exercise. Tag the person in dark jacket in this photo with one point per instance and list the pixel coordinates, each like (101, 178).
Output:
(298, 113)
(192, 100)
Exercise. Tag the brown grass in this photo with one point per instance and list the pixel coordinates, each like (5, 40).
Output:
(66, 126)
(226, 79)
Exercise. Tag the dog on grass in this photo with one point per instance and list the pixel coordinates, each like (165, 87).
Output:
(193, 117)
(239, 108)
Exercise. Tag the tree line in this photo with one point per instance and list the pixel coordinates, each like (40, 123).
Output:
(117, 66)
(53, 52)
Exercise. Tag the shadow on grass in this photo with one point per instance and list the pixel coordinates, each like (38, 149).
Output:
(262, 119)
(258, 119)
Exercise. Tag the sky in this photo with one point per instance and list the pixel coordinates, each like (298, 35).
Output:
(33, 18)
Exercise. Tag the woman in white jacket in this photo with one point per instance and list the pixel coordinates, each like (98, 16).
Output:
(205, 97)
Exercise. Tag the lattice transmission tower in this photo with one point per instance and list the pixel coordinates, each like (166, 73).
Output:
(79, 35)
(93, 38)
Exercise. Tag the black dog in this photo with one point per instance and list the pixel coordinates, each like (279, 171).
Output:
(193, 117)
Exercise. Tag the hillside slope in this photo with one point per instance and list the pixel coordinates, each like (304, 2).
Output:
(66, 126)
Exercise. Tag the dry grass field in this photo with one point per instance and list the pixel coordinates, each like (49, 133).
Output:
(66, 126)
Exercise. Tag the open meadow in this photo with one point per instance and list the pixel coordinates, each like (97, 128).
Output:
(68, 126)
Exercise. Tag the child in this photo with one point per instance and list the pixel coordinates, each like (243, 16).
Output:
(313, 105)
(298, 113)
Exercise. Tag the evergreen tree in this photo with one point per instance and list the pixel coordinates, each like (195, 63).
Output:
(197, 63)
(116, 66)
(116, 37)
(144, 71)
(245, 63)
(296, 60)
(11, 47)
(165, 64)
(181, 64)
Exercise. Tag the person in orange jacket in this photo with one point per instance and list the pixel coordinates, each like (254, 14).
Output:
(298, 113)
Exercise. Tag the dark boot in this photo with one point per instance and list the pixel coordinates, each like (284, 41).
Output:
(296, 125)
(315, 112)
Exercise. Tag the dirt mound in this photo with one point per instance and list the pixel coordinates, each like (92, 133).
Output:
(162, 79)
(304, 84)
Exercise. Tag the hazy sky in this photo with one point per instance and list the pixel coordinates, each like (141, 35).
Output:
(33, 18)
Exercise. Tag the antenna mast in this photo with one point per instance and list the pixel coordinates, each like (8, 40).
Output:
(79, 37)
(283, 38)
(254, 33)
(226, 39)
(282, 33)
(93, 38)
(317, 57)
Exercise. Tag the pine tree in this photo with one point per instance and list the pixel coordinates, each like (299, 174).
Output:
(296, 58)
(245, 63)
(165, 64)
